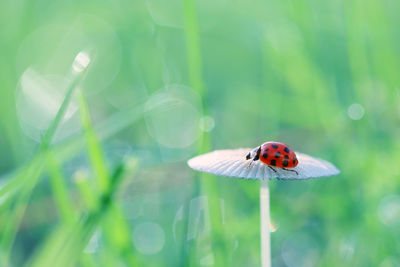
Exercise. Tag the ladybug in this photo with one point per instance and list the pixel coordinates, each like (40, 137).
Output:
(274, 154)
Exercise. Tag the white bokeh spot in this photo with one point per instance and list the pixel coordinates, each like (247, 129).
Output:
(81, 61)
(389, 210)
(172, 116)
(148, 238)
(206, 123)
(355, 111)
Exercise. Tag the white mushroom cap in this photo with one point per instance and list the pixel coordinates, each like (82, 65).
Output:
(233, 163)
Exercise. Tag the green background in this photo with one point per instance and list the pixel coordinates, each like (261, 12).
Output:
(108, 184)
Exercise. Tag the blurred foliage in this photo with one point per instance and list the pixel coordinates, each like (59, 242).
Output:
(160, 81)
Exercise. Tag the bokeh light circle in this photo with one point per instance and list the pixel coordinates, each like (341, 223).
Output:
(51, 49)
(173, 115)
(300, 250)
(347, 248)
(390, 261)
(206, 123)
(283, 36)
(355, 111)
(38, 99)
(148, 238)
(389, 210)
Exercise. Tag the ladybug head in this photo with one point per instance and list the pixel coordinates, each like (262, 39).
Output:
(248, 156)
(254, 154)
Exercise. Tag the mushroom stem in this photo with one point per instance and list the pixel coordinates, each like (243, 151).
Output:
(265, 224)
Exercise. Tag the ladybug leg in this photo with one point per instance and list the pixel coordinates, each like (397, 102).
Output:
(279, 176)
(291, 171)
(272, 169)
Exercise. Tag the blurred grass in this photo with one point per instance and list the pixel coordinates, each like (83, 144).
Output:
(115, 229)
(206, 185)
(31, 177)
(69, 240)
(60, 192)
(287, 71)
(96, 154)
(66, 244)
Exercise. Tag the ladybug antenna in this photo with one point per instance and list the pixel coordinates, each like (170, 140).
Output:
(256, 157)
(251, 162)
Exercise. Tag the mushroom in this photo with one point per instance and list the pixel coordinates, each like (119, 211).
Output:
(234, 163)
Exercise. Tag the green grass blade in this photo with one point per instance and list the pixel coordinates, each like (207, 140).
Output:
(66, 244)
(208, 185)
(85, 188)
(193, 46)
(32, 176)
(14, 215)
(96, 154)
(116, 229)
(48, 137)
(62, 152)
(60, 190)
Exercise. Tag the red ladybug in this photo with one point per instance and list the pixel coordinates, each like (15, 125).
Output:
(274, 154)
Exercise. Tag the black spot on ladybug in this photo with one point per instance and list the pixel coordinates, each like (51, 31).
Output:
(278, 155)
(285, 163)
(266, 149)
(274, 146)
(294, 161)
(265, 155)
(286, 157)
(286, 149)
(273, 162)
